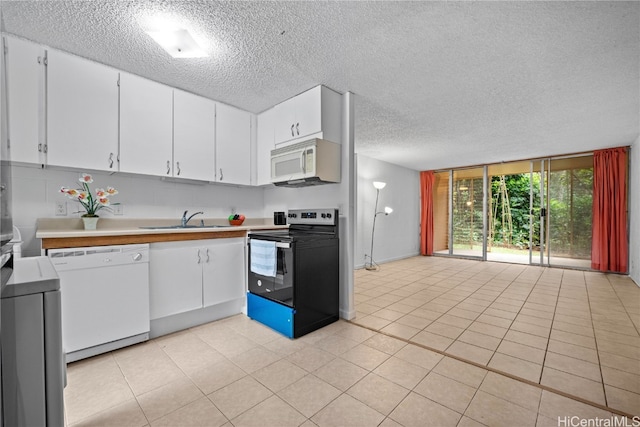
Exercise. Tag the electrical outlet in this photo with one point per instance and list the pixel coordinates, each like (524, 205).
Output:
(118, 209)
(61, 208)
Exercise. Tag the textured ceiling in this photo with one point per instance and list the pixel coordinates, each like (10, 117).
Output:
(437, 84)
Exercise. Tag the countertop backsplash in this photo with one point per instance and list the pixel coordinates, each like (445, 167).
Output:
(36, 192)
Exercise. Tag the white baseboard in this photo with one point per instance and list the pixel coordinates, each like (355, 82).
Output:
(397, 258)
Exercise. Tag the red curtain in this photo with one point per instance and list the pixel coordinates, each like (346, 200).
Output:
(427, 179)
(609, 250)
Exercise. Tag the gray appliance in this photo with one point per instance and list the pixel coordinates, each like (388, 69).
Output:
(6, 223)
(33, 368)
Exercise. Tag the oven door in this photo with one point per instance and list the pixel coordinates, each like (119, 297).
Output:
(280, 287)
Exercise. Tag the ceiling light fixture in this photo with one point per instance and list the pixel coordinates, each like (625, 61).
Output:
(178, 43)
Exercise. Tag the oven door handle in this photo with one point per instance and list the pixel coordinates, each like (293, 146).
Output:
(282, 245)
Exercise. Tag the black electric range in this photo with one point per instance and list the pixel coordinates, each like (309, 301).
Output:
(294, 274)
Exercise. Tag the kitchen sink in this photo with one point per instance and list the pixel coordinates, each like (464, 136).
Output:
(178, 227)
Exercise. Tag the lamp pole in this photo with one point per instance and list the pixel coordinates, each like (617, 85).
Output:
(387, 210)
(373, 230)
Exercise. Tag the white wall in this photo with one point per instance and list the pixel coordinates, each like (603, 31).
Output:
(634, 212)
(398, 234)
(35, 192)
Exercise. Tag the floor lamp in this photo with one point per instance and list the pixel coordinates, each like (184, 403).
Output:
(372, 266)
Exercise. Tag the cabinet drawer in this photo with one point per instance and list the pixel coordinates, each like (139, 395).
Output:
(276, 316)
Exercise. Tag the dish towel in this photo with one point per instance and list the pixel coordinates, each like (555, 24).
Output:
(263, 258)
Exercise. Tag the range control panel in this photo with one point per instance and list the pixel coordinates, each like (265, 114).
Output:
(313, 216)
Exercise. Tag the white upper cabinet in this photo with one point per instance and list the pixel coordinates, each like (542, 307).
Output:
(67, 111)
(316, 112)
(233, 145)
(146, 126)
(265, 143)
(194, 133)
(25, 100)
(82, 113)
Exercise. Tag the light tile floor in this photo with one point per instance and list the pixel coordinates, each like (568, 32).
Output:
(236, 372)
(571, 331)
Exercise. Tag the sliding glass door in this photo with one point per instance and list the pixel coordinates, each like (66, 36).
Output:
(538, 179)
(570, 200)
(534, 212)
(441, 209)
(467, 213)
(513, 233)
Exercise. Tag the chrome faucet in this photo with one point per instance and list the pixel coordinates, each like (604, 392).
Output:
(185, 220)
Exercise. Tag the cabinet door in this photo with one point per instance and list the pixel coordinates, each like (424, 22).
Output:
(146, 117)
(175, 279)
(193, 136)
(233, 145)
(25, 99)
(308, 108)
(82, 113)
(265, 144)
(285, 121)
(224, 271)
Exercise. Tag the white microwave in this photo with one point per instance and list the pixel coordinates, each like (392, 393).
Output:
(312, 162)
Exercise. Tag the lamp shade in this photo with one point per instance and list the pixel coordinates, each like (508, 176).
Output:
(379, 184)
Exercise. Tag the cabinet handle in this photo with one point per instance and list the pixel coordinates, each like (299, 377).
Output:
(110, 160)
(199, 259)
(40, 148)
(178, 166)
(207, 255)
(168, 166)
(45, 149)
(297, 130)
(304, 161)
(221, 175)
(292, 134)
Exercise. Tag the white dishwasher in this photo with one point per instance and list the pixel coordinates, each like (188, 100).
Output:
(105, 297)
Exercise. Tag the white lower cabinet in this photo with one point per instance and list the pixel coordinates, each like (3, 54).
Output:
(188, 275)
(223, 272)
(175, 279)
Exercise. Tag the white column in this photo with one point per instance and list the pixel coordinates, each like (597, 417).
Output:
(348, 227)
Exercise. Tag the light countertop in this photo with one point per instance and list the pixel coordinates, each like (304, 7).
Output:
(62, 232)
(56, 228)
